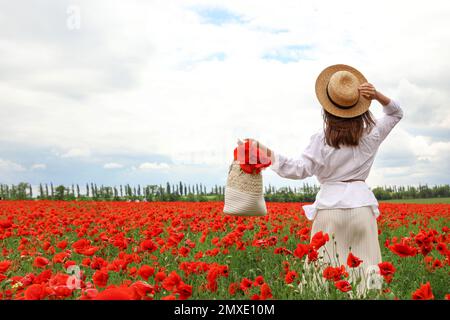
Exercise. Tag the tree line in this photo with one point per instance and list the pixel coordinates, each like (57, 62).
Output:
(197, 192)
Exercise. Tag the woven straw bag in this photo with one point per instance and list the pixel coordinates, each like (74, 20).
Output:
(244, 193)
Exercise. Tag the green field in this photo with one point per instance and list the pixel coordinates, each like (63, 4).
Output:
(425, 201)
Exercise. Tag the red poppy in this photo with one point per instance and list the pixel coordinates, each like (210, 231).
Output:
(437, 264)
(4, 266)
(343, 285)
(259, 280)
(386, 268)
(62, 244)
(353, 261)
(232, 288)
(313, 255)
(142, 290)
(334, 273)
(36, 292)
(160, 276)
(148, 245)
(115, 293)
(246, 284)
(442, 248)
(252, 159)
(290, 277)
(100, 278)
(266, 292)
(301, 250)
(319, 239)
(403, 250)
(146, 271)
(171, 281)
(40, 262)
(423, 293)
(184, 290)
(88, 294)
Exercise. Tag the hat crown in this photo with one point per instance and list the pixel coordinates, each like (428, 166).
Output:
(343, 88)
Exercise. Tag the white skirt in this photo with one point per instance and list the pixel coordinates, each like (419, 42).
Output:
(355, 230)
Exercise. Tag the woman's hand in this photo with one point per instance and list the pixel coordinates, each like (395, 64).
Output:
(368, 91)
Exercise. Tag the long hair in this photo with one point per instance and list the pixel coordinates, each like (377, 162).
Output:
(346, 131)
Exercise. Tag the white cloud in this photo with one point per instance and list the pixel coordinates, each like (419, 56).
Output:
(76, 153)
(38, 166)
(153, 166)
(112, 165)
(7, 165)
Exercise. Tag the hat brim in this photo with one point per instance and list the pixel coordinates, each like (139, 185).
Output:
(359, 108)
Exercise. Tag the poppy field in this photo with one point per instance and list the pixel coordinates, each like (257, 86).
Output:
(186, 250)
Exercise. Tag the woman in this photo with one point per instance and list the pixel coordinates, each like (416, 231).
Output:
(341, 158)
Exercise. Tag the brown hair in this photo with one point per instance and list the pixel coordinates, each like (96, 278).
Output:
(346, 131)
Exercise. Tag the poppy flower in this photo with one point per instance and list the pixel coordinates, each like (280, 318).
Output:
(146, 271)
(184, 290)
(4, 266)
(290, 277)
(232, 288)
(343, 285)
(246, 284)
(171, 281)
(403, 250)
(251, 159)
(62, 244)
(115, 293)
(142, 290)
(353, 261)
(36, 292)
(148, 245)
(386, 268)
(259, 280)
(301, 250)
(160, 276)
(100, 278)
(88, 294)
(40, 262)
(423, 293)
(319, 239)
(442, 248)
(313, 255)
(266, 292)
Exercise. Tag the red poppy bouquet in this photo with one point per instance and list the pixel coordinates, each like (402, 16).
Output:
(244, 194)
(252, 158)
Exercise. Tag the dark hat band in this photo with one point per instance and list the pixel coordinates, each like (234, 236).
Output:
(339, 106)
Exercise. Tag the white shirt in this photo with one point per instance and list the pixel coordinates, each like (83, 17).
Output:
(331, 166)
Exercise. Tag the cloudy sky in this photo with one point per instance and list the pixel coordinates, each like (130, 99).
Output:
(153, 91)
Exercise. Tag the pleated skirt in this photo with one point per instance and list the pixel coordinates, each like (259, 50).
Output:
(352, 230)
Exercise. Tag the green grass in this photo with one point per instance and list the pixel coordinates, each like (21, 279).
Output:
(420, 201)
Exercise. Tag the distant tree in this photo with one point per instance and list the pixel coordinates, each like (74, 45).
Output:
(60, 192)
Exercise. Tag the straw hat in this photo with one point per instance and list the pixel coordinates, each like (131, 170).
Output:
(337, 91)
